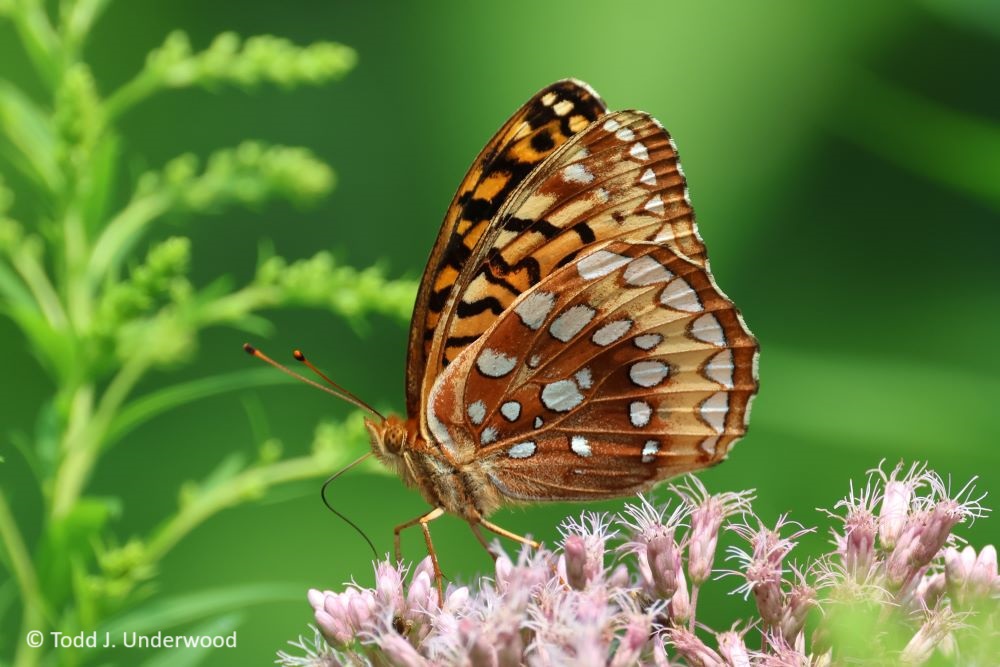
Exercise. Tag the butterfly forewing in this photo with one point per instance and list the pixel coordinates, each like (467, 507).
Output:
(540, 127)
(623, 367)
(620, 178)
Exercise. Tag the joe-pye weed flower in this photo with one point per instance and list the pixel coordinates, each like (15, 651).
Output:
(623, 589)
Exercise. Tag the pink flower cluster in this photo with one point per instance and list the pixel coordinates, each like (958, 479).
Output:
(624, 590)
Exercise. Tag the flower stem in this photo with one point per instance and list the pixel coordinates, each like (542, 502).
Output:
(122, 232)
(82, 445)
(235, 490)
(77, 290)
(131, 93)
(20, 559)
(33, 602)
(694, 606)
(31, 271)
(39, 39)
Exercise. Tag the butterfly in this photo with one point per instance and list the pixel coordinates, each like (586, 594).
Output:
(568, 340)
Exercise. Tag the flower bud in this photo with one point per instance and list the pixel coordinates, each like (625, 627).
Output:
(970, 576)
(930, 589)
(935, 629)
(680, 603)
(664, 559)
(316, 598)
(575, 551)
(456, 599)
(631, 644)
(799, 600)
(360, 609)
(858, 544)
(924, 535)
(335, 631)
(693, 650)
(389, 587)
(421, 596)
(399, 652)
(707, 514)
(984, 577)
(733, 650)
(895, 509)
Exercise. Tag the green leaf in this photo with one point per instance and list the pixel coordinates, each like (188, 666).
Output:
(27, 139)
(70, 540)
(14, 292)
(98, 187)
(23, 444)
(77, 18)
(157, 402)
(8, 595)
(170, 612)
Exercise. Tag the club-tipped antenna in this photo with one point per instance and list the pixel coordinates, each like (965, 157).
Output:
(341, 394)
(322, 494)
(357, 401)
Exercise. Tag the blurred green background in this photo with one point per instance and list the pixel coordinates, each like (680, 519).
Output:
(844, 160)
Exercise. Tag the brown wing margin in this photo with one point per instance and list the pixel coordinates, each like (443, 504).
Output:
(538, 128)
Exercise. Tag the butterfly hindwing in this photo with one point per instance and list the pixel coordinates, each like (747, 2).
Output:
(623, 367)
(540, 127)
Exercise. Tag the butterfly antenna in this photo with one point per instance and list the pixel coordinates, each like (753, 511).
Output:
(322, 494)
(357, 401)
(342, 394)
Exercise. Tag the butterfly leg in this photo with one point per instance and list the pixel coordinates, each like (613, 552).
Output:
(422, 521)
(503, 532)
(482, 540)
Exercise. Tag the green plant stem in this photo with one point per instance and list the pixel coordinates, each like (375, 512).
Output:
(250, 482)
(78, 292)
(232, 307)
(155, 403)
(34, 276)
(19, 558)
(141, 86)
(38, 37)
(27, 656)
(83, 445)
(35, 611)
(75, 25)
(122, 233)
(12, 288)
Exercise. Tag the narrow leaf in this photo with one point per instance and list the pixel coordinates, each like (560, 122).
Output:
(157, 402)
(30, 140)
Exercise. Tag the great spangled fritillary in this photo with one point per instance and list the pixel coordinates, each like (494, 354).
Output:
(568, 340)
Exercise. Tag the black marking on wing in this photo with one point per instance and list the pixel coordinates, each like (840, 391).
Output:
(543, 227)
(460, 341)
(489, 303)
(496, 261)
(584, 231)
